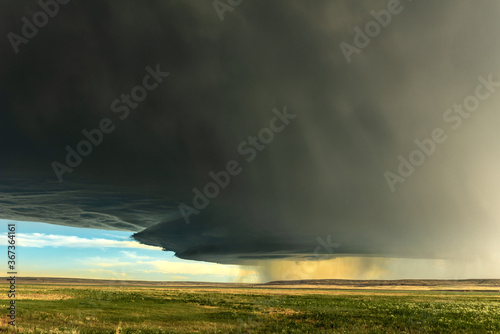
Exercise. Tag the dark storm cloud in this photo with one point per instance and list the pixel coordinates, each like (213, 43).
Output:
(322, 175)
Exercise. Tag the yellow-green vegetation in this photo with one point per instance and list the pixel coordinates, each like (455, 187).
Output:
(108, 309)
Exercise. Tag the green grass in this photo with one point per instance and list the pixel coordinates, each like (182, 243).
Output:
(104, 309)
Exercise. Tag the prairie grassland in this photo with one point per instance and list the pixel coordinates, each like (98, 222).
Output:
(133, 309)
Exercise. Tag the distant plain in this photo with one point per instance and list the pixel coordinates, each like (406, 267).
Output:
(60, 305)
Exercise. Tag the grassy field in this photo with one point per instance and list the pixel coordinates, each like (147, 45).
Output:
(205, 309)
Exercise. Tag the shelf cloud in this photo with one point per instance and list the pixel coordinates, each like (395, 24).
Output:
(393, 153)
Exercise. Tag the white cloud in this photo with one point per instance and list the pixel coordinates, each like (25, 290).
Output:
(108, 262)
(197, 268)
(115, 264)
(109, 273)
(133, 255)
(40, 240)
(162, 266)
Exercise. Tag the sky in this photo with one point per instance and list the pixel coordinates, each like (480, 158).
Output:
(46, 250)
(328, 139)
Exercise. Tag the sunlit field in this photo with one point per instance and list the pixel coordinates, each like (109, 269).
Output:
(249, 309)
